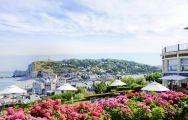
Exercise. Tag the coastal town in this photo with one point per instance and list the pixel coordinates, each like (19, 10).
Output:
(42, 83)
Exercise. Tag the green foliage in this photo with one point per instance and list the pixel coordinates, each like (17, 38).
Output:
(80, 90)
(102, 95)
(74, 101)
(101, 87)
(130, 81)
(79, 96)
(80, 93)
(158, 113)
(124, 88)
(153, 77)
(109, 94)
(136, 87)
(63, 96)
(134, 83)
(141, 114)
(89, 66)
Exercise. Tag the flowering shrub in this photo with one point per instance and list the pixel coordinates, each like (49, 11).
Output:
(132, 106)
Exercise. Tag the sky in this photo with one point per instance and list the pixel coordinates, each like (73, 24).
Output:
(135, 30)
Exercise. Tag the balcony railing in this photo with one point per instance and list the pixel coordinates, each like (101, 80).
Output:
(175, 48)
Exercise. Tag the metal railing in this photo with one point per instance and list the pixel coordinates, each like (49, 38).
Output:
(175, 48)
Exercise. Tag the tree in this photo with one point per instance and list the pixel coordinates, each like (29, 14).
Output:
(101, 87)
(153, 77)
(130, 81)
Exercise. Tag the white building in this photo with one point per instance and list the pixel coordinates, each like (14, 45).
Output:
(175, 60)
(49, 85)
(38, 87)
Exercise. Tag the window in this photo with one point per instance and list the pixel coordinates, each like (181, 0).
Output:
(184, 64)
(172, 65)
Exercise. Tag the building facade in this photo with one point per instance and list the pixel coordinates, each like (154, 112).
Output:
(175, 60)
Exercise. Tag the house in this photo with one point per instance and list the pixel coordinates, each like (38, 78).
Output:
(38, 87)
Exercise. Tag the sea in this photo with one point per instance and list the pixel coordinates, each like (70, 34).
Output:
(6, 80)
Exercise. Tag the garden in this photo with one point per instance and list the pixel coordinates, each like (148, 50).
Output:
(168, 105)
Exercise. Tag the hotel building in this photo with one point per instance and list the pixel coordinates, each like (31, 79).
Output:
(175, 60)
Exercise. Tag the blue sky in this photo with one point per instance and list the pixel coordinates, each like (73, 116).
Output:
(134, 30)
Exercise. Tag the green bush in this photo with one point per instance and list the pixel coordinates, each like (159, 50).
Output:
(103, 95)
(124, 88)
(109, 94)
(54, 97)
(79, 95)
(63, 96)
(130, 81)
(80, 90)
(101, 87)
(158, 113)
(153, 77)
(74, 101)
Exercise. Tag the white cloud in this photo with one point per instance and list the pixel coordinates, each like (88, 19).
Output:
(138, 26)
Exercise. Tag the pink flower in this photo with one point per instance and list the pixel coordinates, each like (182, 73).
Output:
(177, 99)
(10, 111)
(37, 107)
(94, 118)
(74, 115)
(47, 114)
(171, 101)
(2, 118)
(63, 116)
(148, 110)
(175, 105)
(97, 114)
(172, 113)
(108, 115)
(58, 101)
(84, 115)
(140, 105)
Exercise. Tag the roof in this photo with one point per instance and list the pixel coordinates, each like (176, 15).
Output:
(66, 87)
(13, 89)
(154, 86)
(117, 83)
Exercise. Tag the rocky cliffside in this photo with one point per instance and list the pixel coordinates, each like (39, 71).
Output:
(36, 69)
(30, 72)
(19, 73)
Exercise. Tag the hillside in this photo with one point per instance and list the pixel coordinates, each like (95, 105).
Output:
(90, 66)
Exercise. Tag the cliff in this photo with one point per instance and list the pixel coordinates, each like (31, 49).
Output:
(19, 73)
(89, 66)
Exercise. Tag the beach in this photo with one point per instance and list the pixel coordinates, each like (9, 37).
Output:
(6, 80)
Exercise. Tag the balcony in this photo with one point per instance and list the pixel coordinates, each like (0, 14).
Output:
(175, 48)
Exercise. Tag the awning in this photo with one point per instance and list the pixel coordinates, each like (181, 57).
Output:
(174, 77)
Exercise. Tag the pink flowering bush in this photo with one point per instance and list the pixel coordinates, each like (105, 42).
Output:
(132, 106)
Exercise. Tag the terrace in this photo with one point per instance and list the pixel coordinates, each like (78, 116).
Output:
(175, 48)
